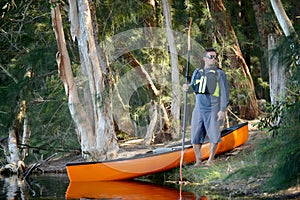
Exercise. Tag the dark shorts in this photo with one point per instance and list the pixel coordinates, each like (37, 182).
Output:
(204, 123)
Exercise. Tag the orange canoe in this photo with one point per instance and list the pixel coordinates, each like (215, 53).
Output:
(150, 163)
(124, 190)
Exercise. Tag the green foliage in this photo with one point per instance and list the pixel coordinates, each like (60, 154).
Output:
(118, 16)
(282, 152)
(273, 113)
(139, 107)
(289, 52)
(29, 73)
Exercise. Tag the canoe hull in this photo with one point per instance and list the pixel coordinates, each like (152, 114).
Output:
(122, 169)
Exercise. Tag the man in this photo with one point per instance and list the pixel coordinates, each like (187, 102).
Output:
(211, 88)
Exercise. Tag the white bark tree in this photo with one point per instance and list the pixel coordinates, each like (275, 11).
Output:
(277, 73)
(93, 118)
(176, 89)
(277, 68)
(282, 18)
(14, 156)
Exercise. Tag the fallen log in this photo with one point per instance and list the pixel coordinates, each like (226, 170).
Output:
(36, 165)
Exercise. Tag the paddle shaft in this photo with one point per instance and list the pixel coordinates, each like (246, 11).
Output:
(185, 99)
(186, 81)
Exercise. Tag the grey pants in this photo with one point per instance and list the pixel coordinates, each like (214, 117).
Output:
(204, 123)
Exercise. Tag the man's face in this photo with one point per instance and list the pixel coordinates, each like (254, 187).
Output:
(210, 58)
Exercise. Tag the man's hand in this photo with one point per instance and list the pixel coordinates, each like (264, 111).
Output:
(185, 87)
(221, 115)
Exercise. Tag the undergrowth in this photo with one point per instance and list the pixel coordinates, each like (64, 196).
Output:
(268, 165)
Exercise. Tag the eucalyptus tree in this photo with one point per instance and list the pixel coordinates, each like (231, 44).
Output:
(279, 70)
(94, 114)
(176, 91)
(95, 129)
(104, 21)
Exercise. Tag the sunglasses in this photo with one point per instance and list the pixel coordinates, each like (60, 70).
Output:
(211, 56)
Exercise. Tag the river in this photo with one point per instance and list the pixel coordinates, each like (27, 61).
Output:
(58, 187)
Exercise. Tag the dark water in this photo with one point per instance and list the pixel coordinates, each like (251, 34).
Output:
(37, 187)
(58, 187)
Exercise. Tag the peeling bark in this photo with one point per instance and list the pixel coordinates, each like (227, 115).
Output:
(13, 151)
(96, 133)
(99, 78)
(11, 144)
(64, 68)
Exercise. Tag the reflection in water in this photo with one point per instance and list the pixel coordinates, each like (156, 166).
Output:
(37, 187)
(11, 184)
(124, 190)
(57, 186)
(13, 187)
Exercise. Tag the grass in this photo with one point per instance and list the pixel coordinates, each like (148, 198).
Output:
(284, 153)
(253, 170)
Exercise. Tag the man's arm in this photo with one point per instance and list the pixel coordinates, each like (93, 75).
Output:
(187, 87)
(224, 93)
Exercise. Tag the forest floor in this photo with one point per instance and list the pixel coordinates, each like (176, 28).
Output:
(216, 178)
(231, 174)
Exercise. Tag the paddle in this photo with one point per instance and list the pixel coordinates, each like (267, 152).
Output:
(185, 98)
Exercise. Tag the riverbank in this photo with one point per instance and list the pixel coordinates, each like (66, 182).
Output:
(234, 174)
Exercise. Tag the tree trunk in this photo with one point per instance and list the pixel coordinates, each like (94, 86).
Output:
(277, 73)
(150, 21)
(97, 138)
(64, 68)
(277, 69)
(13, 151)
(15, 165)
(277, 66)
(287, 27)
(265, 27)
(94, 63)
(283, 19)
(143, 74)
(176, 89)
(248, 105)
(153, 121)
(10, 145)
(25, 137)
(155, 95)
